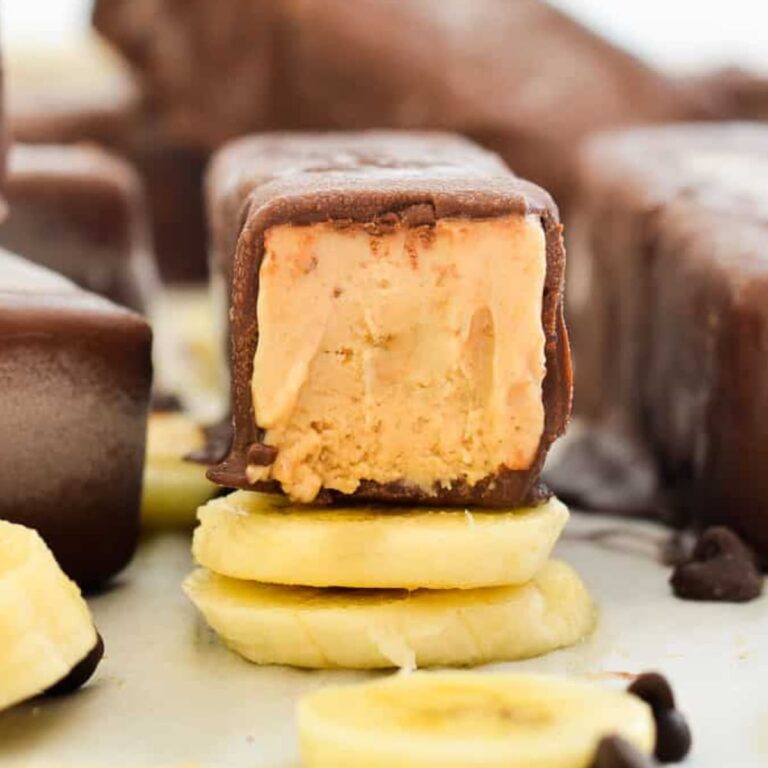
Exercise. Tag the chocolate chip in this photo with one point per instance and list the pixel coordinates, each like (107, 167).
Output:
(673, 736)
(81, 673)
(218, 440)
(722, 567)
(616, 752)
(261, 455)
(654, 690)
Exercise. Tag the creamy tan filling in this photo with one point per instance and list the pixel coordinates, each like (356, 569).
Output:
(414, 356)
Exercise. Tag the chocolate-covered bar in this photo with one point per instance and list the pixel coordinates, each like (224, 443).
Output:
(733, 94)
(206, 70)
(520, 77)
(676, 322)
(173, 180)
(76, 374)
(80, 211)
(75, 90)
(396, 315)
(100, 104)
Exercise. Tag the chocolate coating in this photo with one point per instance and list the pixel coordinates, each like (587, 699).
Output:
(721, 568)
(673, 736)
(76, 374)
(670, 337)
(81, 673)
(258, 182)
(616, 752)
(80, 211)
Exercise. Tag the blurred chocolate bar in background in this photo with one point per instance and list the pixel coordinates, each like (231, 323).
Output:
(673, 329)
(100, 104)
(80, 211)
(733, 93)
(520, 77)
(79, 90)
(76, 374)
(207, 70)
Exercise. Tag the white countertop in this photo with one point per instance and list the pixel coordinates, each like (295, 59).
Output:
(168, 692)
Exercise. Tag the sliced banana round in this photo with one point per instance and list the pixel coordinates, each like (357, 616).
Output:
(46, 629)
(261, 537)
(173, 488)
(366, 629)
(466, 720)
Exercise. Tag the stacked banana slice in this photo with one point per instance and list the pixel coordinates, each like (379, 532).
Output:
(374, 587)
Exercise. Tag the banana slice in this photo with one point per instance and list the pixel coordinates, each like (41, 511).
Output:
(458, 720)
(46, 630)
(261, 537)
(307, 627)
(173, 488)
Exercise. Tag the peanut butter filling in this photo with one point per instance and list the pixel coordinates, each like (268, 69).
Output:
(415, 355)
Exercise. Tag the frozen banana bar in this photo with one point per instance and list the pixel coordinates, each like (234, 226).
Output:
(76, 374)
(80, 211)
(676, 325)
(396, 319)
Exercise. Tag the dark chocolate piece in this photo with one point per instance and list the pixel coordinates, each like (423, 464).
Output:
(262, 455)
(670, 328)
(617, 752)
(80, 211)
(76, 374)
(81, 673)
(721, 568)
(520, 77)
(673, 736)
(654, 689)
(300, 179)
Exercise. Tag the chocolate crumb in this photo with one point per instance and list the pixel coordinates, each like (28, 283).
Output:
(81, 673)
(418, 215)
(673, 736)
(654, 690)
(262, 455)
(383, 224)
(218, 439)
(617, 752)
(721, 568)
